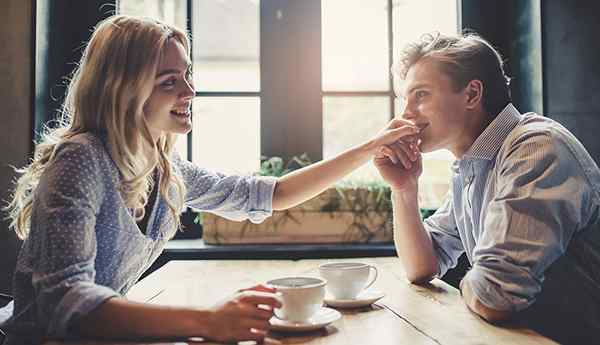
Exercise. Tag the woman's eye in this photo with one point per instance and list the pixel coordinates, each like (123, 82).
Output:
(169, 82)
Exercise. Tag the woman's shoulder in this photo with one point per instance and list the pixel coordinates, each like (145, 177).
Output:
(83, 149)
(86, 143)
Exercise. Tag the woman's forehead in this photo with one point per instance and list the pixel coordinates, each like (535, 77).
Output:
(174, 56)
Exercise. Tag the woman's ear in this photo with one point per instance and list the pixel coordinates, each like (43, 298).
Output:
(474, 92)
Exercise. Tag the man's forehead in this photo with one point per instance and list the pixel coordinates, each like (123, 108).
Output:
(423, 73)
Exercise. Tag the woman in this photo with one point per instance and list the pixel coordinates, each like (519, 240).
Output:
(105, 190)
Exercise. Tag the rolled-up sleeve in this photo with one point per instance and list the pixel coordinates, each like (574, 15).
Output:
(445, 238)
(233, 197)
(541, 193)
(63, 236)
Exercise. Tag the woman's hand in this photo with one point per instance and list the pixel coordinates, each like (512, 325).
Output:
(396, 131)
(399, 162)
(245, 316)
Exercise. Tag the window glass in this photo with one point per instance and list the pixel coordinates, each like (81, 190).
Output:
(173, 12)
(226, 45)
(355, 45)
(349, 121)
(226, 134)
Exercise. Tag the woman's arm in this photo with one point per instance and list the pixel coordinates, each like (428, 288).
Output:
(304, 184)
(236, 319)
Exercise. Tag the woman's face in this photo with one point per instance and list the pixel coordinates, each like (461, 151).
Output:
(168, 107)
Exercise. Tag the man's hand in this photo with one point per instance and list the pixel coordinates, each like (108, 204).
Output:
(400, 173)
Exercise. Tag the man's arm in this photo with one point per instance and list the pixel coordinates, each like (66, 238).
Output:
(473, 303)
(412, 241)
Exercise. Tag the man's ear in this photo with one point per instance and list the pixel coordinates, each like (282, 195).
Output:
(474, 92)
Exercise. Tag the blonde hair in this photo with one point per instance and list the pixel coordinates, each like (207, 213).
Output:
(463, 58)
(106, 93)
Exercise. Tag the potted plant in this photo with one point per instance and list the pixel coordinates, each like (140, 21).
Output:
(350, 212)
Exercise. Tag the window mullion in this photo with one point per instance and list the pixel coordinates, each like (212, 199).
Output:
(290, 64)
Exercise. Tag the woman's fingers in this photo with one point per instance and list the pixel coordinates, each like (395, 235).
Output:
(401, 132)
(398, 122)
(262, 314)
(260, 287)
(256, 297)
(260, 325)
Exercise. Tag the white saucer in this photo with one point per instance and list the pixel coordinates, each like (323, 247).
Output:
(364, 299)
(321, 319)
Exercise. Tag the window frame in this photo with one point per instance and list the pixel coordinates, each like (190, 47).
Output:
(291, 127)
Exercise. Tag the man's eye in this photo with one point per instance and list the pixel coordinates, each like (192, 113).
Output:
(420, 94)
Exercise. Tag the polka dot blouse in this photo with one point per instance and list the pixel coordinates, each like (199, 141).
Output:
(85, 246)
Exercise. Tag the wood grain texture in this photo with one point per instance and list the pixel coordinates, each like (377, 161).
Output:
(409, 314)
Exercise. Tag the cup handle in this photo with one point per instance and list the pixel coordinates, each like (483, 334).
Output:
(372, 279)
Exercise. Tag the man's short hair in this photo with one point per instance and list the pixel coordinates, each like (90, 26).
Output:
(463, 58)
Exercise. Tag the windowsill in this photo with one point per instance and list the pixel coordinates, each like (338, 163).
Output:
(196, 249)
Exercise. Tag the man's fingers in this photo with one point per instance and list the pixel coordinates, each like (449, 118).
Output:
(407, 149)
(389, 153)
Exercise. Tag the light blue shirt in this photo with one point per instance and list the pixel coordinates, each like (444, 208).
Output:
(85, 246)
(524, 195)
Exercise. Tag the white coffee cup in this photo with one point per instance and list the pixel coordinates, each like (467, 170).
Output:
(301, 297)
(346, 280)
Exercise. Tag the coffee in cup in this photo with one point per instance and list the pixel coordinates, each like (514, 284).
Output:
(301, 297)
(346, 280)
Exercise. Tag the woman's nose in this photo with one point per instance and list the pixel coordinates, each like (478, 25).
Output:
(189, 91)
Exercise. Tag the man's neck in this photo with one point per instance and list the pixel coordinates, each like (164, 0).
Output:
(479, 122)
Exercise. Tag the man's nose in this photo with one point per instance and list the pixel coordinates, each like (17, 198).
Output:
(407, 114)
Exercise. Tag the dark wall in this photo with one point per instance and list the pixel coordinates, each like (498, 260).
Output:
(16, 97)
(514, 28)
(553, 55)
(45, 36)
(62, 30)
(571, 55)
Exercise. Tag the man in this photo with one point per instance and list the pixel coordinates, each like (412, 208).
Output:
(525, 198)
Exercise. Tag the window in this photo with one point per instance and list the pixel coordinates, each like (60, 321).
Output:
(287, 77)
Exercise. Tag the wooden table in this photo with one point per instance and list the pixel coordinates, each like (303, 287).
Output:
(409, 314)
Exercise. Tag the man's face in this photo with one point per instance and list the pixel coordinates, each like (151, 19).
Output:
(435, 107)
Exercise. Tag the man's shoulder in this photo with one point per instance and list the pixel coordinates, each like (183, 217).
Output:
(534, 128)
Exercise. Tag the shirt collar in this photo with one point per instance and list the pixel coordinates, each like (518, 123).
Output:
(488, 143)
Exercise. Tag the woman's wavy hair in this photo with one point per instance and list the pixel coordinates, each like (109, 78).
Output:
(463, 58)
(106, 94)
